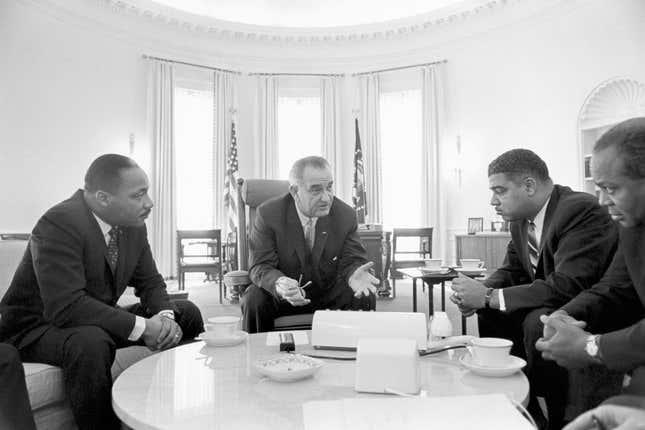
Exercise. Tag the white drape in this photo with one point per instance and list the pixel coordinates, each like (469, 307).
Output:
(432, 118)
(368, 124)
(266, 160)
(331, 141)
(225, 106)
(163, 223)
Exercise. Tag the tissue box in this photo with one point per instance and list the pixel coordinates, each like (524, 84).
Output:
(383, 364)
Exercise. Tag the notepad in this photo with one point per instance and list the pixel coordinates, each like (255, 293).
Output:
(481, 412)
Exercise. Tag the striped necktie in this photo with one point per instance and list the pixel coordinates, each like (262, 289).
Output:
(113, 247)
(533, 246)
(310, 234)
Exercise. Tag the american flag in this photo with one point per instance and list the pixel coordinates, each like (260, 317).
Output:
(230, 184)
(359, 198)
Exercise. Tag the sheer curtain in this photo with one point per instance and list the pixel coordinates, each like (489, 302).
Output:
(432, 118)
(163, 223)
(225, 106)
(267, 127)
(368, 123)
(331, 141)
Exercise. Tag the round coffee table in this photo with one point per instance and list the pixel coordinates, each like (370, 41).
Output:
(198, 387)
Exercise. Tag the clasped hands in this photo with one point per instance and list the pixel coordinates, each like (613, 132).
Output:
(468, 294)
(564, 340)
(161, 333)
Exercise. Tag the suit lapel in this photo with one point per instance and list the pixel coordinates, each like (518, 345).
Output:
(546, 226)
(121, 261)
(524, 247)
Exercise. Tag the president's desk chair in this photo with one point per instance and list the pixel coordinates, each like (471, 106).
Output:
(251, 193)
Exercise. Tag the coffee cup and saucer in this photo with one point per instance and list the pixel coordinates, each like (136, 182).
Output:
(490, 356)
(471, 267)
(434, 265)
(223, 331)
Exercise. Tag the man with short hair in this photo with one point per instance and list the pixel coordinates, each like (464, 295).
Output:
(561, 243)
(614, 309)
(305, 253)
(61, 309)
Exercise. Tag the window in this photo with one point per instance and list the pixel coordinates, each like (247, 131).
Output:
(299, 126)
(194, 155)
(401, 155)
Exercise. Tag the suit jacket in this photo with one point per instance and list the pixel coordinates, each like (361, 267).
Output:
(65, 280)
(277, 246)
(615, 306)
(577, 244)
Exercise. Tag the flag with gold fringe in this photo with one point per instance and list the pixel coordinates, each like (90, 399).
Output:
(230, 184)
(359, 197)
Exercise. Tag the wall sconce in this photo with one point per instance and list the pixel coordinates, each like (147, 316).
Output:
(131, 144)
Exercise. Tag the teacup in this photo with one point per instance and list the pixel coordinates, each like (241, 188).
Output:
(490, 351)
(433, 263)
(222, 327)
(471, 263)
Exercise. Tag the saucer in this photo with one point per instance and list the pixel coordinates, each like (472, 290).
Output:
(470, 272)
(238, 336)
(288, 367)
(515, 365)
(440, 271)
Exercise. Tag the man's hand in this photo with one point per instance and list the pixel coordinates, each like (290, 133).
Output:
(362, 281)
(548, 331)
(567, 346)
(468, 293)
(289, 290)
(170, 334)
(612, 417)
(152, 331)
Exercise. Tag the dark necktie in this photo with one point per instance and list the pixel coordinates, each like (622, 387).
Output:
(310, 234)
(113, 247)
(533, 245)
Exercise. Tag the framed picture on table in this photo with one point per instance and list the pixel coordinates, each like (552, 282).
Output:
(475, 225)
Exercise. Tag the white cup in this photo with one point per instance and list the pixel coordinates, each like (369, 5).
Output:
(223, 327)
(491, 351)
(471, 263)
(433, 263)
(440, 325)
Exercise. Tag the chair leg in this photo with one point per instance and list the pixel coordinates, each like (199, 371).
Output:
(180, 281)
(220, 289)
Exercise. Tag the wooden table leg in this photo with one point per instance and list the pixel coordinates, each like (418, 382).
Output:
(414, 294)
(443, 296)
(463, 324)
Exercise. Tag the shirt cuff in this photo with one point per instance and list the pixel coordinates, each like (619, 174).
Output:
(500, 299)
(168, 313)
(139, 328)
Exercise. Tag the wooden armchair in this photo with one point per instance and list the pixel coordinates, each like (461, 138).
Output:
(410, 247)
(199, 251)
(251, 193)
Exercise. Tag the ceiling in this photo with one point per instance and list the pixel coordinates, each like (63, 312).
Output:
(312, 13)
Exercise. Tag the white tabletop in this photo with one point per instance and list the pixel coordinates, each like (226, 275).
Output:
(198, 387)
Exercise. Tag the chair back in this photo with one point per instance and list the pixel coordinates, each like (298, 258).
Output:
(251, 193)
(411, 246)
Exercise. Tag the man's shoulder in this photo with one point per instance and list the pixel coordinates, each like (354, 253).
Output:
(575, 201)
(72, 212)
(275, 205)
(342, 209)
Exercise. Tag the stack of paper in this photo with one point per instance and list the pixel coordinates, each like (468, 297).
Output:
(482, 412)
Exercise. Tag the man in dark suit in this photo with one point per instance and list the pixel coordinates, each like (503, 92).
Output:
(305, 253)
(61, 309)
(561, 243)
(15, 410)
(613, 311)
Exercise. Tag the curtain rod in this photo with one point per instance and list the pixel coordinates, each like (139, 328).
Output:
(166, 60)
(400, 68)
(296, 74)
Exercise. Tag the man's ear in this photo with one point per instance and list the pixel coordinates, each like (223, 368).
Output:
(530, 184)
(102, 198)
(293, 189)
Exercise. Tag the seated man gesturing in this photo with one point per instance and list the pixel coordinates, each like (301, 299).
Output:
(306, 238)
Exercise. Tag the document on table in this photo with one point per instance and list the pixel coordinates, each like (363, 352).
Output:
(299, 337)
(481, 412)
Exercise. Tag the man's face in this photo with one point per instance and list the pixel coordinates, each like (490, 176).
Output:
(623, 196)
(315, 194)
(510, 200)
(130, 205)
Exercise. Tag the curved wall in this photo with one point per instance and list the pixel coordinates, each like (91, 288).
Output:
(73, 85)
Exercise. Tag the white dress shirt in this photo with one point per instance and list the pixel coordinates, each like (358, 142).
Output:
(539, 226)
(139, 322)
